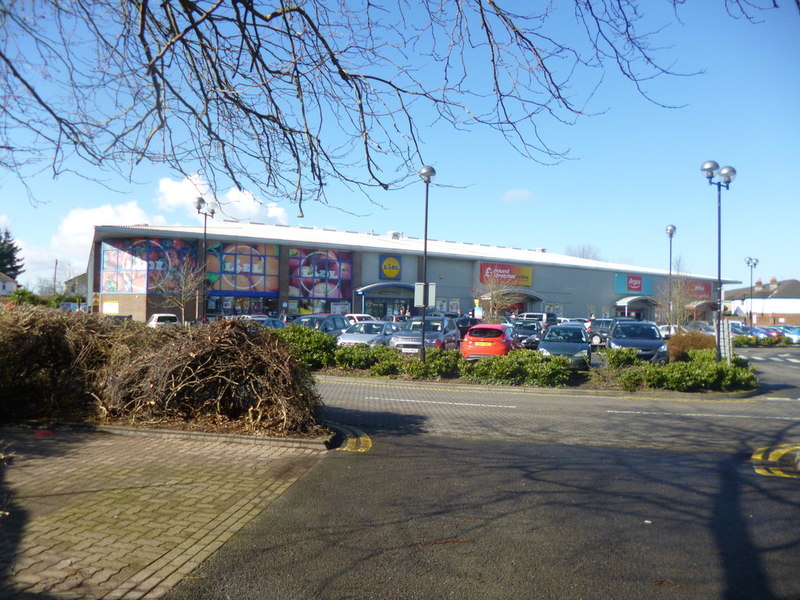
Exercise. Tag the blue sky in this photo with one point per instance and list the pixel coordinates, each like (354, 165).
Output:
(635, 169)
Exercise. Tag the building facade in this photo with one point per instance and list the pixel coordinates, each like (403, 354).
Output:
(773, 303)
(272, 269)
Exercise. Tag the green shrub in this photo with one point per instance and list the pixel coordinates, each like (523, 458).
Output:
(354, 357)
(680, 344)
(439, 364)
(521, 367)
(745, 341)
(701, 372)
(311, 348)
(621, 358)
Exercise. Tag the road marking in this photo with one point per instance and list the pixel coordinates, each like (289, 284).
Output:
(712, 415)
(355, 439)
(776, 399)
(440, 402)
(794, 360)
(777, 461)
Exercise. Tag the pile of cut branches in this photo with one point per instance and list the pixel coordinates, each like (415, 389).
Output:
(225, 376)
(228, 370)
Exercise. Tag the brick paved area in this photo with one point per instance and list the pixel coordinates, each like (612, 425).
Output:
(100, 515)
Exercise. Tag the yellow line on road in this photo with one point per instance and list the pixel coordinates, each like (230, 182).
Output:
(355, 439)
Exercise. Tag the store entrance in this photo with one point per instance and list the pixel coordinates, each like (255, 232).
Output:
(387, 307)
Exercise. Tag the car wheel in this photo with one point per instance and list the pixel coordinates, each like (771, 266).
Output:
(596, 340)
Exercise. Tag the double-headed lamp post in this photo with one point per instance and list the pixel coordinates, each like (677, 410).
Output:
(671, 229)
(726, 175)
(204, 209)
(752, 263)
(427, 173)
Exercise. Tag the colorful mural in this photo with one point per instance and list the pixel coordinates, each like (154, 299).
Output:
(319, 275)
(243, 268)
(136, 265)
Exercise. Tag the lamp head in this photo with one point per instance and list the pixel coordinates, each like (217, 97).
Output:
(200, 203)
(671, 229)
(727, 174)
(710, 167)
(427, 173)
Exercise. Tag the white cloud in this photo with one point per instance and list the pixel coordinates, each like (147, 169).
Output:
(233, 204)
(4, 221)
(176, 195)
(518, 196)
(72, 241)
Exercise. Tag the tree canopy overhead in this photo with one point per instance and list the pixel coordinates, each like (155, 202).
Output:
(283, 97)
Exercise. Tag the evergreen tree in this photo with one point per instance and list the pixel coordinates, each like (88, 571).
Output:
(10, 264)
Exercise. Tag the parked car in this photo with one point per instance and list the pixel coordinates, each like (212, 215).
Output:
(526, 329)
(545, 318)
(464, 323)
(700, 326)
(265, 321)
(440, 332)
(569, 340)
(356, 317)
(488, 339)
(754, 332)
(793, 333)
(395, 318)
(163, 319)
(372, 333)
(332, 324)
(642, 335)
(598, 331)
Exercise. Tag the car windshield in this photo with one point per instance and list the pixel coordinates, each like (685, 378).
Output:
(308, 321)
(368, 328)
(523, 326)
(430, 325)
(571, 335)
(637, 331)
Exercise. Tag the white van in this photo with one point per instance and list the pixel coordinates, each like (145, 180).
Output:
(545, 318)
(161, 319)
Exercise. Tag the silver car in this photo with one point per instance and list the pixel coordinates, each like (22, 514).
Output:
(372, 333)
(440, 332)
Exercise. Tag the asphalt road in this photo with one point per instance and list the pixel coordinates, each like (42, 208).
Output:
(476, 492)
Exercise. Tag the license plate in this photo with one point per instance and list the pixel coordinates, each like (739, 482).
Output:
(409, 350)
(483, 343)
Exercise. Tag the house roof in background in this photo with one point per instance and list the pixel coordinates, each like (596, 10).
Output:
(788, 288)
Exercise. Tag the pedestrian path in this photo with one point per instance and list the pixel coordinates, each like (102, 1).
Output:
(98, 515)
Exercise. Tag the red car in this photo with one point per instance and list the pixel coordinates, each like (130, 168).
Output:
(488, 339)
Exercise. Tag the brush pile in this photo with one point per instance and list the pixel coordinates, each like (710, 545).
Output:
(225, 376)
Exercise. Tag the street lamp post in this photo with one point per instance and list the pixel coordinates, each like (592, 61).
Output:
(671, 229)
(207, 211)
(427, 173)
(726, 175)
(752, 263)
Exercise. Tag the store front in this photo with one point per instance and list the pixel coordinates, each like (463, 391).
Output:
(637, 307)
(386, 299)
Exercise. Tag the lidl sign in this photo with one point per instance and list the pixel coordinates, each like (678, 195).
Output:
(389, 267)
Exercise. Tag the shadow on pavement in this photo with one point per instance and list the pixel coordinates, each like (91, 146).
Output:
(18, 445)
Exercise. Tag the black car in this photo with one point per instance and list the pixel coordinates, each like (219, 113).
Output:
(598, 331)
(644, 336)
(464, 323)
(528, 333)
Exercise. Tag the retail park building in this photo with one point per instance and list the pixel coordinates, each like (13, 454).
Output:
(263, 269)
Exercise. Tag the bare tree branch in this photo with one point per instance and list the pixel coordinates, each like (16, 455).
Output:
(283, 100)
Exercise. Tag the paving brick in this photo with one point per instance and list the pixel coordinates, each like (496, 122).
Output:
(112, 516)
